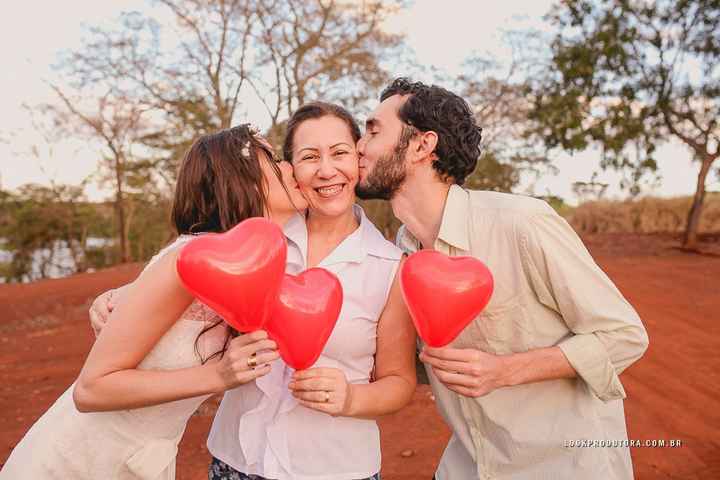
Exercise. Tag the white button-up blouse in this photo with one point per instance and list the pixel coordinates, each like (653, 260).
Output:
(260, 429)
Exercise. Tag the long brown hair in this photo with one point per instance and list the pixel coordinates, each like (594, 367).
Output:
(221, 183)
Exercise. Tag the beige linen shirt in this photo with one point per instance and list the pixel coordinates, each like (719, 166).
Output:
(548, 291)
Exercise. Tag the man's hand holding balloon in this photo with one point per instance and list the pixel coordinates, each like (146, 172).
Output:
(467, 371)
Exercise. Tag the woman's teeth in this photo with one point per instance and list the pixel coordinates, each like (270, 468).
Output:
(331, 191)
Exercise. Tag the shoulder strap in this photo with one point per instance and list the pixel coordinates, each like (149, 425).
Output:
(177, 243)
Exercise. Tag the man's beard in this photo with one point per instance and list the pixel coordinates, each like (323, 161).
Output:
(387, 176)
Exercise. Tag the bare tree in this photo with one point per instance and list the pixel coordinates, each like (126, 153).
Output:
(116, 125)
(190, 72)
(321, 49)
(196, 72)
(204, 61)
(146, 88)
(496, 91)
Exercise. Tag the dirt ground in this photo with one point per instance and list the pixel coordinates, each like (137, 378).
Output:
(673, 392)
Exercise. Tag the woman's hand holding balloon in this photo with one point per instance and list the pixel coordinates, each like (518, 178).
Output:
(246, 358)
(323, 389)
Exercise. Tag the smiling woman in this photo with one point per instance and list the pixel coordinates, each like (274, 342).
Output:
(326, 165)
(319, 423)
(320, 144)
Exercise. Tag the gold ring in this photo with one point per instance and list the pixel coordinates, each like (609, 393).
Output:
(252, 361)
(327, 397)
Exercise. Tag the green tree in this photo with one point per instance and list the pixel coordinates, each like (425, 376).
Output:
(46, 228)
(493, 174)
(630, 75)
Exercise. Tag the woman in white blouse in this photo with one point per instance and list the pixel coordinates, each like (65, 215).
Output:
(319, 424)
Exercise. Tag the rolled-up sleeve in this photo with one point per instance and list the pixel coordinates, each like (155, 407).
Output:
(606, 334)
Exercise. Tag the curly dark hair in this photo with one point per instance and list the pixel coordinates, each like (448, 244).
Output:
(432, 108)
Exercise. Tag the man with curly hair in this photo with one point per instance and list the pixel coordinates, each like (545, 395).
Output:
(532, 385)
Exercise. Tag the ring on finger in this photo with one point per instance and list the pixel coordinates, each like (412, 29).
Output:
(327, 397)
(252, 361)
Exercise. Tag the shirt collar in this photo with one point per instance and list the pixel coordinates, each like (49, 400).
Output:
(454, 226)
(454, 229)
(296, 233)
(365, 240)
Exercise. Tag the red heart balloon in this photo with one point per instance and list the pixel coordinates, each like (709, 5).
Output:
(308, 307)
(444, 294)
(237, 273)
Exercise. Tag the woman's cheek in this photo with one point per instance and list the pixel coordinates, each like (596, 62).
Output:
(352, 169)
(303, 181)
(301, 176)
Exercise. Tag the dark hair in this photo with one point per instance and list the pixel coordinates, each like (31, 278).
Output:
(430, 107)
(220, 183)
(315, 110)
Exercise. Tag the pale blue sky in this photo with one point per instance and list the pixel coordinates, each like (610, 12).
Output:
(33, 31)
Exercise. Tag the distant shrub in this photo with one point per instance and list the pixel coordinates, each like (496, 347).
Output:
(645, 215)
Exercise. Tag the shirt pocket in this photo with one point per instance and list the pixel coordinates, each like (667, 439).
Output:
(505, 328)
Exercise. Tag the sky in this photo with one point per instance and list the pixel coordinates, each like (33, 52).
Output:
(33, 32)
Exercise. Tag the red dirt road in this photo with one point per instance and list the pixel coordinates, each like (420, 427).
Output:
(673, 392)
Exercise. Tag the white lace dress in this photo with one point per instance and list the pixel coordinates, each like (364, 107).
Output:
(122, 445)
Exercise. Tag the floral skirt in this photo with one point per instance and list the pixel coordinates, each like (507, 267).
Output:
(222, 471)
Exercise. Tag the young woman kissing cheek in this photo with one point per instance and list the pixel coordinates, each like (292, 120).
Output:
(326, 165)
